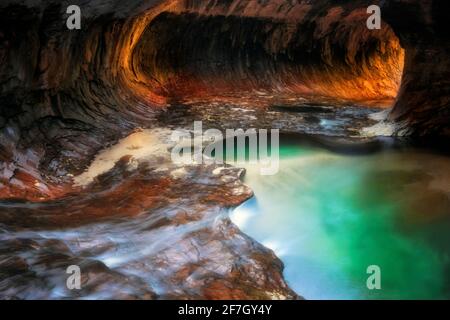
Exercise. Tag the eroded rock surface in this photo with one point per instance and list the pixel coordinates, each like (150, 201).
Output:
(144, 229)
(66, 95)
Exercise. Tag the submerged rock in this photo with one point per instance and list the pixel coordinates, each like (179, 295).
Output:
(149, 229)
(138, 232)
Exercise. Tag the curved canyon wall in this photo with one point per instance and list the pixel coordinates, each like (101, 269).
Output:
(422, 106)
(201, 52)
(64, 93)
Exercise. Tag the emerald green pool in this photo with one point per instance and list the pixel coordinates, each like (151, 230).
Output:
(329, 216)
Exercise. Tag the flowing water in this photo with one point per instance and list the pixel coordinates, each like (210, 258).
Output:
(329, 216)
(334, 208)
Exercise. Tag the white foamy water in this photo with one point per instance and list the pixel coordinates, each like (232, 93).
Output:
(380, 116)
(383, 128)
(140, 145)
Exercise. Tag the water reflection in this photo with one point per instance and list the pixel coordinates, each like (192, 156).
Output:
(329, 216)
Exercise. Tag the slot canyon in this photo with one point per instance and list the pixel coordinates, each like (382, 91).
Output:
(86, 116)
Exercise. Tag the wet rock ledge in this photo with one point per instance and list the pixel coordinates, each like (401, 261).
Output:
(146, 229)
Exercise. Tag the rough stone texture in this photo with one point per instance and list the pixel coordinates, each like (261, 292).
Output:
(64, 95)
(333, 55)
(145, 232)
(423, 103)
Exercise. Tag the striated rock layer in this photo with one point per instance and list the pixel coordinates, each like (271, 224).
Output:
(74, 90)
(143, 230)
(334, 55)
(65, 95)
(422, 105)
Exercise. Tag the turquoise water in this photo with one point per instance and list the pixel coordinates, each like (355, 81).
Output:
(329, 216)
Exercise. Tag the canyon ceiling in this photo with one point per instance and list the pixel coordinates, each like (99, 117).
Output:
(65, 94)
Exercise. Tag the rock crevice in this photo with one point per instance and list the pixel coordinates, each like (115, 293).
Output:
(67, 94)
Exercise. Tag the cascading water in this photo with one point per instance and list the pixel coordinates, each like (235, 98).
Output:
(86, 178)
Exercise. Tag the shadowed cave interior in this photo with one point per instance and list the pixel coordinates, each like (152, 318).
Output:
(69, 99)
